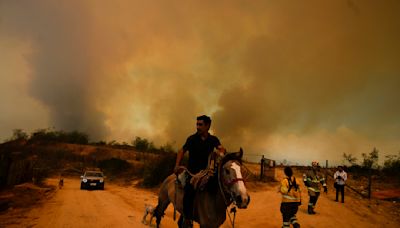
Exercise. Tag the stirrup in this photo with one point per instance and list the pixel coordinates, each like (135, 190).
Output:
(187, 223)
(296, 225)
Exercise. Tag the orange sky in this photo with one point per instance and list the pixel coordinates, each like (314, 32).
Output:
(304, 80)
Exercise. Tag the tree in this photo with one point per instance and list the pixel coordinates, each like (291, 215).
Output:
(350, 159)
(167, 148)
(142, 144)
(370, 160)
(391, 166)
(113, 143)
(19, 134)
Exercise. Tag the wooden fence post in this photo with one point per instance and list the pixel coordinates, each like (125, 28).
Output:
(262, 167)
(369, 182)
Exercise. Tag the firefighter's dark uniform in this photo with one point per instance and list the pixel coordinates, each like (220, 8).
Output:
(313, 179)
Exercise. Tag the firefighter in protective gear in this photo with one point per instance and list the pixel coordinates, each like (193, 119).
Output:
(313, 179)
(291, 199)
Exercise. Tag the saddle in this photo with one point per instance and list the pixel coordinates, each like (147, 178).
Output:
(200, 180)
(181, 178)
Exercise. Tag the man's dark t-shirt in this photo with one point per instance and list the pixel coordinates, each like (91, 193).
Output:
(199, 150)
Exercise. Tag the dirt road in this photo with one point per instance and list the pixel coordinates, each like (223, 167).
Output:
(72, 207)
(119, 206)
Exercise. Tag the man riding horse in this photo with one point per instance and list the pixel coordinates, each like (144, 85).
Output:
(200, 145)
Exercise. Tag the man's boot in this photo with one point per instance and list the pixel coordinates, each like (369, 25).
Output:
(311, 210)
(187, 223)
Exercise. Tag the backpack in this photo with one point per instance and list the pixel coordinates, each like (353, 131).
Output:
(291, 184)
(297, 192)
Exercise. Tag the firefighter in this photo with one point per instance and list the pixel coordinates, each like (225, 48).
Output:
(313, 179)
(291, 199)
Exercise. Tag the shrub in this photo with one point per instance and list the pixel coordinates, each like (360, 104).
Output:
(167, 148)
(391, 165)
(157, 169)
(19, 134)
(39, 174)
(142, 144)
(45, 135)
(114, 165)
(358, 170)
(55, 158)
(99, 143)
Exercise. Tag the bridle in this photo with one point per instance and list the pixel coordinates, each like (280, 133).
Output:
(223, 192)
(227, 183)
(234, 180)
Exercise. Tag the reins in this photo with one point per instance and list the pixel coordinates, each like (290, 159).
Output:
(230, 182)
(227, 204)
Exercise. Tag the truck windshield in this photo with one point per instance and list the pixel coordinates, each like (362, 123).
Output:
(93, 174)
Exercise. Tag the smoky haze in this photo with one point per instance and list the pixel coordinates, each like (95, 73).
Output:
(296, 81)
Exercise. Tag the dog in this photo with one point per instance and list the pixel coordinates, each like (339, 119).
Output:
(148, 210)
(61, 183)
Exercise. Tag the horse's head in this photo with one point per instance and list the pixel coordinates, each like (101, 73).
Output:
(232, 180)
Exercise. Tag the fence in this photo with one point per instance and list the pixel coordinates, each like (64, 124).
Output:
(266, 167)
(267, 173)
(364, 192)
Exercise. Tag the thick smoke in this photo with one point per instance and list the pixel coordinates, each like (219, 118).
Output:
(324, 68)
(278, 78)
(64, 58)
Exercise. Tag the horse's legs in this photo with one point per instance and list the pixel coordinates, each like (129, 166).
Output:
(180, 221)
(159, 210)
(207, 226)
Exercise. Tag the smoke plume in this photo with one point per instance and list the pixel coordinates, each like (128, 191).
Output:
(284, 79)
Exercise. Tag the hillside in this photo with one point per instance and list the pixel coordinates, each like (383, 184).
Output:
(23, 161)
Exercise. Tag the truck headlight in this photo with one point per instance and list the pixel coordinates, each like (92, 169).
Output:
(101, 180)
(84, 180)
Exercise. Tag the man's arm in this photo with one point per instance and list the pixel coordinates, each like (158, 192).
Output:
(306, 180)
(221, 150)
(323, 182)
(179, 157)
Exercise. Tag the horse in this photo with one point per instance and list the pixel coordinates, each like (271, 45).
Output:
(225, 187)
